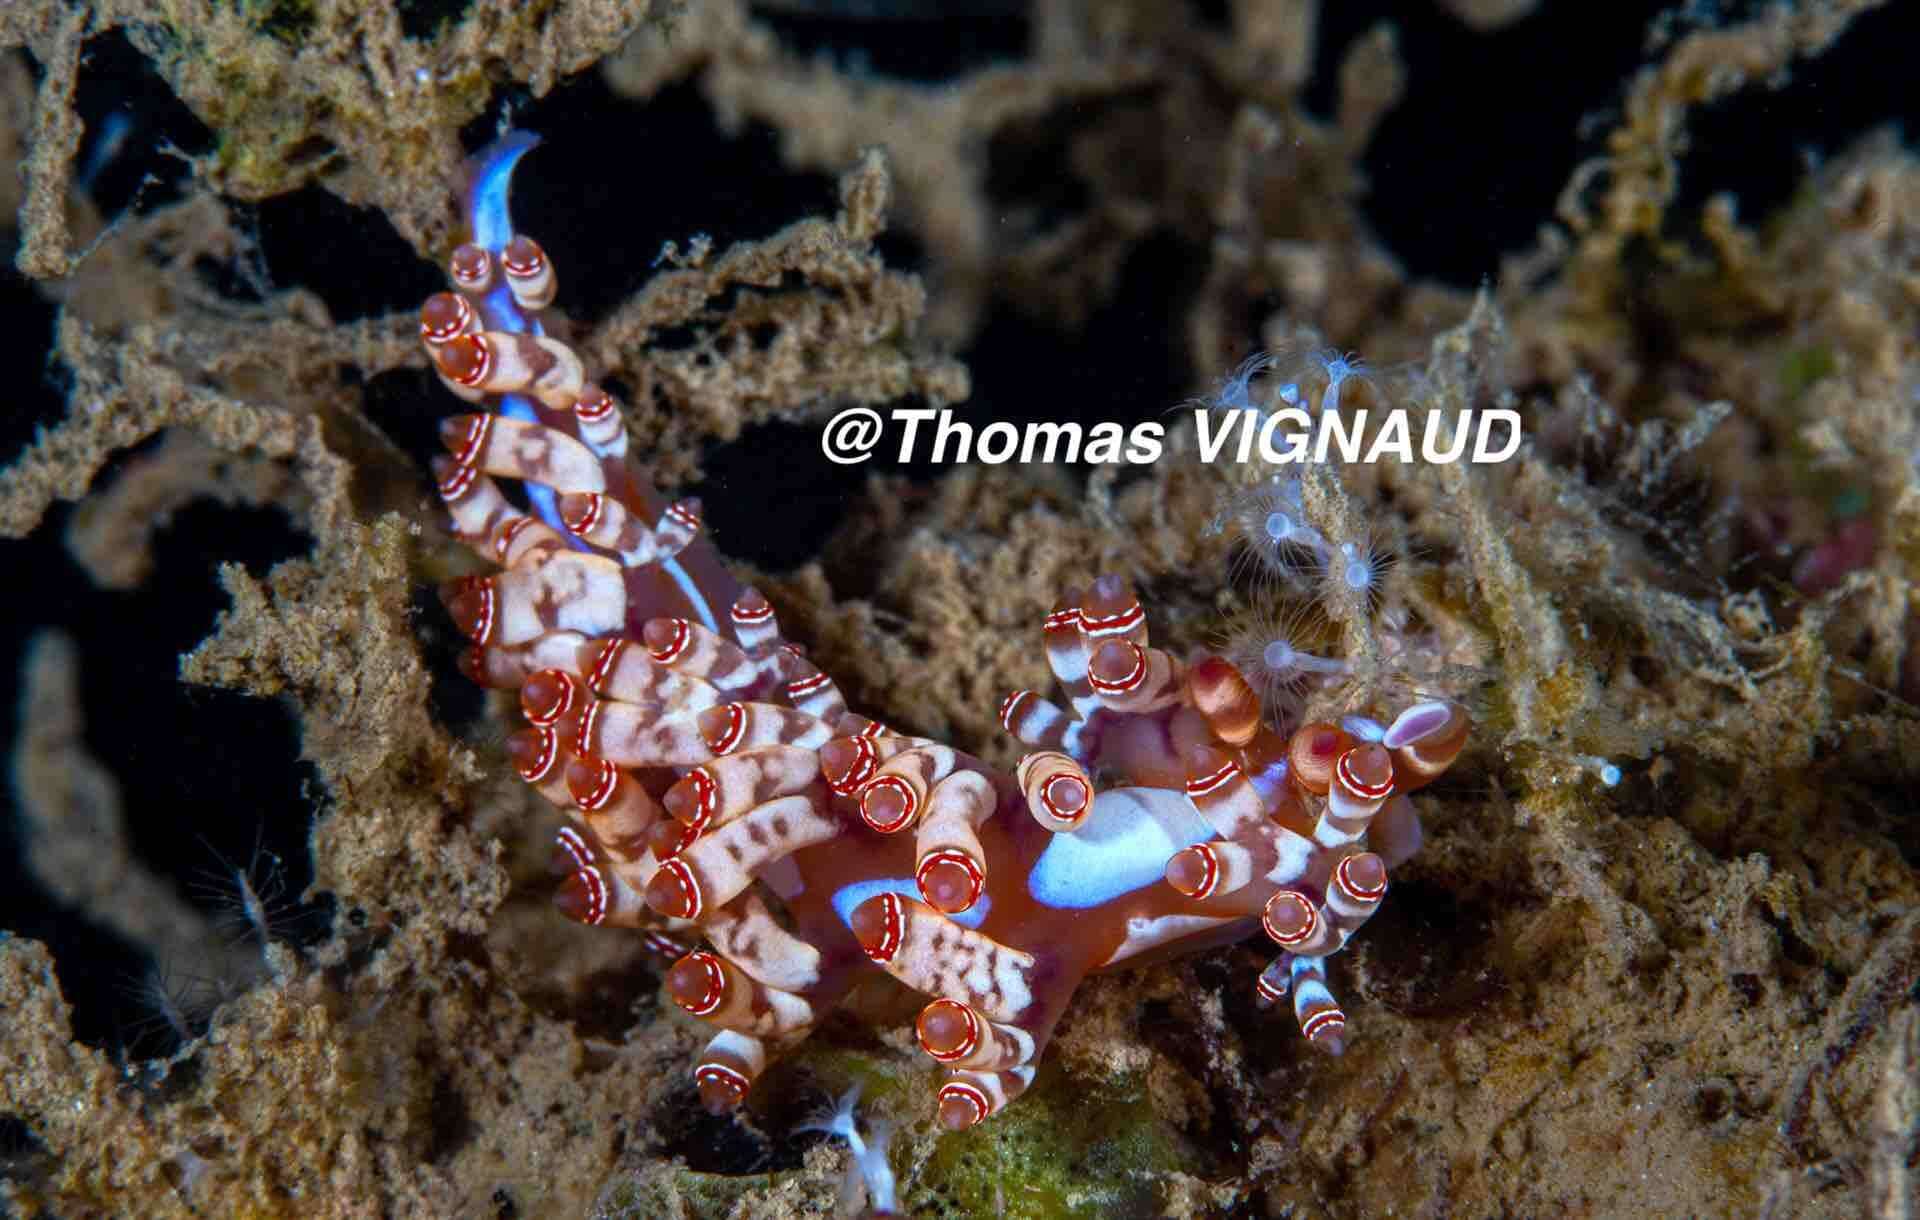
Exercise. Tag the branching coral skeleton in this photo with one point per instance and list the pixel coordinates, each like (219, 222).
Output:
(721, 791)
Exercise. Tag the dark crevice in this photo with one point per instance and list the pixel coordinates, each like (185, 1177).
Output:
(139, 135)
(1026, 162)
(38, 396)
(604, 225)
(453, 1123)
(426, 19)
(1427, 953)
(1470, 162)
(210, 780)
(1463, 171)
(453, 699)
(24, 1160)
(410, 405)
(772, 495)
(1760, 142)
(605, 1004)
(765, 1137)
(711, 1143)
(311, 239)
(1027, 374)
(924, 42)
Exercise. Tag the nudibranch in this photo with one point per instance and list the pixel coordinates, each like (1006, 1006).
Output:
(722, 797)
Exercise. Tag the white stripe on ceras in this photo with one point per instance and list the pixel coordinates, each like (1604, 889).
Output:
(1307, 933)
(530, 276)
(929, 952)
(612, 898)
(1066, 648)
(475, 439)
(566, 591)
(870, 751)
(463, 392)
(696, 652)
(957, 806)
(1050, 781)
(1275, 981)
(1128, 623)
(1351, 804)
(736, 1000)
(749, 726)
(463, 322)
(545, 770)
(661, 945)
(908, 776)
(454, 482)
(545, 368)
(488, 617)
(989, 1046)
(580, 854)
(1033, 720)
(1225, 797)
(676, 529)
(619, 811)
(521, 538)
(530, 452)
(592, 517)
(572, 695)
(512, 666)
(603, 428)
(988, 1092)
(748, 934)
(732, 1060)
(1125, 681)
(471, 268)
(754, 624)
(723, 862)
(1349, 901)
(1153, 681)
(474, 501)
(603, 521)
(622, 670)
(1265, 849)
(1226, 867)
(1313, 1004)
(730, 786)
(809, 688)
(678, 523)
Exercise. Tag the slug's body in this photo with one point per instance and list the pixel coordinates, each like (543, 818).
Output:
(718, 785)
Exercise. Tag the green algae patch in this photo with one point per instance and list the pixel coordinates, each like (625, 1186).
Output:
(1066, 1149)
(1804, 366)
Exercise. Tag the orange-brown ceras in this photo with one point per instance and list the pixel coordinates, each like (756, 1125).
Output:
(719, 788)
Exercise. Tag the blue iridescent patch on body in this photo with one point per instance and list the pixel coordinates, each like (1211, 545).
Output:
(1123, 845)
(491, 222)
(849, 897)
(487, 199)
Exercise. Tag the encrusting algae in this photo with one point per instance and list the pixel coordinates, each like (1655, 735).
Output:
(1658, 947)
